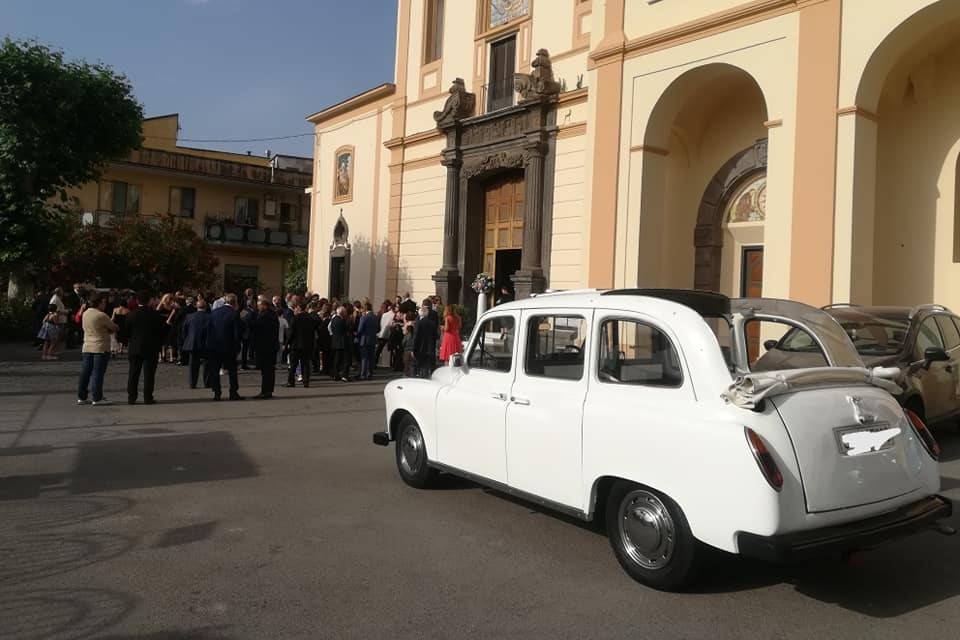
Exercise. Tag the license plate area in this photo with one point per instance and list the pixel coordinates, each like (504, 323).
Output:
(861, 440)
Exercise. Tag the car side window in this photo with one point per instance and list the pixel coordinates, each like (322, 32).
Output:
(636, 353)
(555, 347)
(928, 336)
(492, 349)
(951, 337)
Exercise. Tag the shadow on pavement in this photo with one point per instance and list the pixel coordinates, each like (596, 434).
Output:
(133, 463)
(203, 633)
(62, 614)
(886, 582)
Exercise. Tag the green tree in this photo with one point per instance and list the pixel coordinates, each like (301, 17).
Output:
(161, 254)
(60, 123)
(296, 279)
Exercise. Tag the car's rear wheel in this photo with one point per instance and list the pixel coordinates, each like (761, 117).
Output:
(411, 451)
(650, 537)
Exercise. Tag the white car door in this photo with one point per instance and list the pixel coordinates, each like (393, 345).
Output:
(471, 412)
(544, 417)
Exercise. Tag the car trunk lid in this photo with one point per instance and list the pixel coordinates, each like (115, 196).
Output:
(853, 445)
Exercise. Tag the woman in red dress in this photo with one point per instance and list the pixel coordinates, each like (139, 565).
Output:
(450, 344)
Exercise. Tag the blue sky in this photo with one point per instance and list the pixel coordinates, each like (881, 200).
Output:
(232, 68)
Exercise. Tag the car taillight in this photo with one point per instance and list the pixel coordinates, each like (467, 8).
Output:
(768, 466)
(929, 443)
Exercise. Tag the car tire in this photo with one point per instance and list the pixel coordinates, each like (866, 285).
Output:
(650, 537)
(411, 453)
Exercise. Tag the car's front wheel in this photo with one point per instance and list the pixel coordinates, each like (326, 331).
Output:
(411, 451)
(650, 537)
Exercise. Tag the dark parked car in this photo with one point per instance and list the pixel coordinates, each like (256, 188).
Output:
(923, 342)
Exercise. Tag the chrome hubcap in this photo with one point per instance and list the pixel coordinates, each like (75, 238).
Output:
(647, 530)
(412, 454)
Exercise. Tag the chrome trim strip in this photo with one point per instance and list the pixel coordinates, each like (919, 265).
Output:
(517, 493)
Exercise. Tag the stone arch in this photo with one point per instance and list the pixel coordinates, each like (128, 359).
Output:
(677, 94)
(709, 117)
(928, 26)
(708, 234)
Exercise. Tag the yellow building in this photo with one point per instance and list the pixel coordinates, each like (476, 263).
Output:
(251, 210)
(803, 149)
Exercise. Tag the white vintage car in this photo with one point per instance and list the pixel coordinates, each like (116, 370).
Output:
(640, 407)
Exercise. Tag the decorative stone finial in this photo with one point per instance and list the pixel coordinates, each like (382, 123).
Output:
(459, 105)
(539, 83)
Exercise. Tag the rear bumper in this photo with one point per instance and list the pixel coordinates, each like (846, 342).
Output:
(787, 547)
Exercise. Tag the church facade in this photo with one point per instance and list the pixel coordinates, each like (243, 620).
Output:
(803, 149)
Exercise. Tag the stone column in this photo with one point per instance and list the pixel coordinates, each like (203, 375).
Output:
(529, 279)
(447, 278)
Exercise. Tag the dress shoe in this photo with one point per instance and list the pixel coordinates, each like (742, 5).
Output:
(237, 398)
(216, 397)
(261, 396)
(150, 401)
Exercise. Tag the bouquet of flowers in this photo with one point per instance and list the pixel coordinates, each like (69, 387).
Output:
(482, 283)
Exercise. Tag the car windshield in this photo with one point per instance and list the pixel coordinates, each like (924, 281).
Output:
(875, 335)
(798, 340)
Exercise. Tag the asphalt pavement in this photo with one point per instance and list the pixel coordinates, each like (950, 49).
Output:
(279, 519)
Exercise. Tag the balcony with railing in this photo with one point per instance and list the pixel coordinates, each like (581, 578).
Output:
(219, 168)
(227, 232)
(497, 95)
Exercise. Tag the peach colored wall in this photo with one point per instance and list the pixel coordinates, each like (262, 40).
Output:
(569, 232)
(365, 213)
(917, 150)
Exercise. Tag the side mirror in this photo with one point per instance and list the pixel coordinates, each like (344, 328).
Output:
(934, 354)
(769, 345)
(456, 360)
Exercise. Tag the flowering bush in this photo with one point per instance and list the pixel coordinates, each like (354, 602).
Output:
(482, 283)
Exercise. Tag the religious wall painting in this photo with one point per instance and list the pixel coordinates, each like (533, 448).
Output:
(503, 11)
(749, 204)
(343, 175)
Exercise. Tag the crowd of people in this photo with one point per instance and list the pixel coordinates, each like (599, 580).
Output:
(215, 335)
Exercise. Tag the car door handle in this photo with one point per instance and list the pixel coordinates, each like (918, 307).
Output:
(521, 401)
(499, 396)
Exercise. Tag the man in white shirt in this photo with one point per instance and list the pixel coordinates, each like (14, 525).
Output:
(386, 325)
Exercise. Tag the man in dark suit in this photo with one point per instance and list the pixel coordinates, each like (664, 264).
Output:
(301, 340)
(223, 343)
(425, 343)
(194, 336)
(265, 335)
(146, 329)
(340, 344)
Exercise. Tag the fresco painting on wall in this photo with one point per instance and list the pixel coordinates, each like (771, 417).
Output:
(750, 204)
(343, 179)
(503, 11)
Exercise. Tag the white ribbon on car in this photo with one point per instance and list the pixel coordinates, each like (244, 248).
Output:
(748, 391)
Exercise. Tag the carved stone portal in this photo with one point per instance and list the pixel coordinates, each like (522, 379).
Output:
(539, 83)
(459, 105)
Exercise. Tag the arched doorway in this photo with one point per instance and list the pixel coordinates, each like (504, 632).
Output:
(728, 238)
(340, 260)
(704, 142)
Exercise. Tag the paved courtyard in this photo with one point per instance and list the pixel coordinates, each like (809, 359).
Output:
(199, 520)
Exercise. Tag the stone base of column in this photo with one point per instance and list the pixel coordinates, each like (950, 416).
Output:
(448, 285)
(527, 282)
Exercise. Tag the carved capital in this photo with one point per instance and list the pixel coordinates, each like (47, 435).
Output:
(459, 105)
(490, 162)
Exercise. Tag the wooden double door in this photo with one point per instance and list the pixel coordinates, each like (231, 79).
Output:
(751, 286)
(504, 210)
